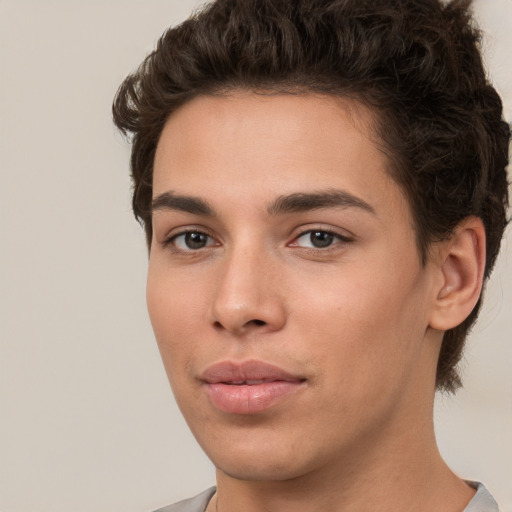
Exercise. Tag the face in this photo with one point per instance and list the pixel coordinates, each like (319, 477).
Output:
(285, 287)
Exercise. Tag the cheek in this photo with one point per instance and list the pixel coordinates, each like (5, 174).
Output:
(174, 313)
(368, 327)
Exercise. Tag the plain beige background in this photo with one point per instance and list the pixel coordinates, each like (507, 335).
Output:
(87, 422)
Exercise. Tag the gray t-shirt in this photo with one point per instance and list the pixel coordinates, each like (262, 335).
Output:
(482, 501)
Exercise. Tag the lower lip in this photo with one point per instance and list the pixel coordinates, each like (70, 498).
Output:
(245, 399)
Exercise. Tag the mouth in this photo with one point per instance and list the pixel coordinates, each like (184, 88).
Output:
(247, 382)
(249, 387)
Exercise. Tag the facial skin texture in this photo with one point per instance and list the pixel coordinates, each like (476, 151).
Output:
(352, 320)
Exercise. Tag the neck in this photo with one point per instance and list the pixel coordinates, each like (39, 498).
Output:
(397, 469)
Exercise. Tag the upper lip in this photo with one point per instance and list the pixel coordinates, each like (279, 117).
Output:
(231, 372)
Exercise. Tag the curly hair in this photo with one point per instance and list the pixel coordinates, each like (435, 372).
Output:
(415, 63)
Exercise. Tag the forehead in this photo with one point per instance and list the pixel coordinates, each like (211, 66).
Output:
(285, 118)
(272, 144)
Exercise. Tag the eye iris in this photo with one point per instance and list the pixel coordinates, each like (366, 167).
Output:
(321, 239)
(196, 240)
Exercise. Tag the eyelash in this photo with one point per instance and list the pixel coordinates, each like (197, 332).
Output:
(331, 235)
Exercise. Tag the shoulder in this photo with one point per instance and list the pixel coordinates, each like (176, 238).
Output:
(196, 504)
(482, 501)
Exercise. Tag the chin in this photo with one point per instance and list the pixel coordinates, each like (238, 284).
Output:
(258, 472)
(260, 460)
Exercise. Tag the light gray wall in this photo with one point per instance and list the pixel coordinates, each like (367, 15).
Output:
(87, 422)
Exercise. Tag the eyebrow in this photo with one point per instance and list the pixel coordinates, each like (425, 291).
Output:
(291, 203)
(187, 204)
(302, 202)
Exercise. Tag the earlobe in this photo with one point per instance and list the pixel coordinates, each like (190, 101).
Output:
(462, 264)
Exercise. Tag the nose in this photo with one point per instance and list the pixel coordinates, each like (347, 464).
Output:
(248, 296)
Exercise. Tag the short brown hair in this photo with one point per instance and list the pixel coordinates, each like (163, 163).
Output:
(415, 63)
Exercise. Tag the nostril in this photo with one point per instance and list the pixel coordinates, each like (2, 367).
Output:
(254, 323)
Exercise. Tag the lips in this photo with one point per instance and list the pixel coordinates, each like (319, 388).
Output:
(249, 387)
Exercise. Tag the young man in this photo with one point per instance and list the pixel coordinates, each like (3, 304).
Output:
(323, 188)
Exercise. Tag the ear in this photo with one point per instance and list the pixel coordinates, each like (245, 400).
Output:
(461, 263)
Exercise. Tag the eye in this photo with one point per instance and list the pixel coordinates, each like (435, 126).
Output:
(318, 239)
(191, 240)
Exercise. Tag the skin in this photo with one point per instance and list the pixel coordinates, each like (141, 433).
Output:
(359, 320)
